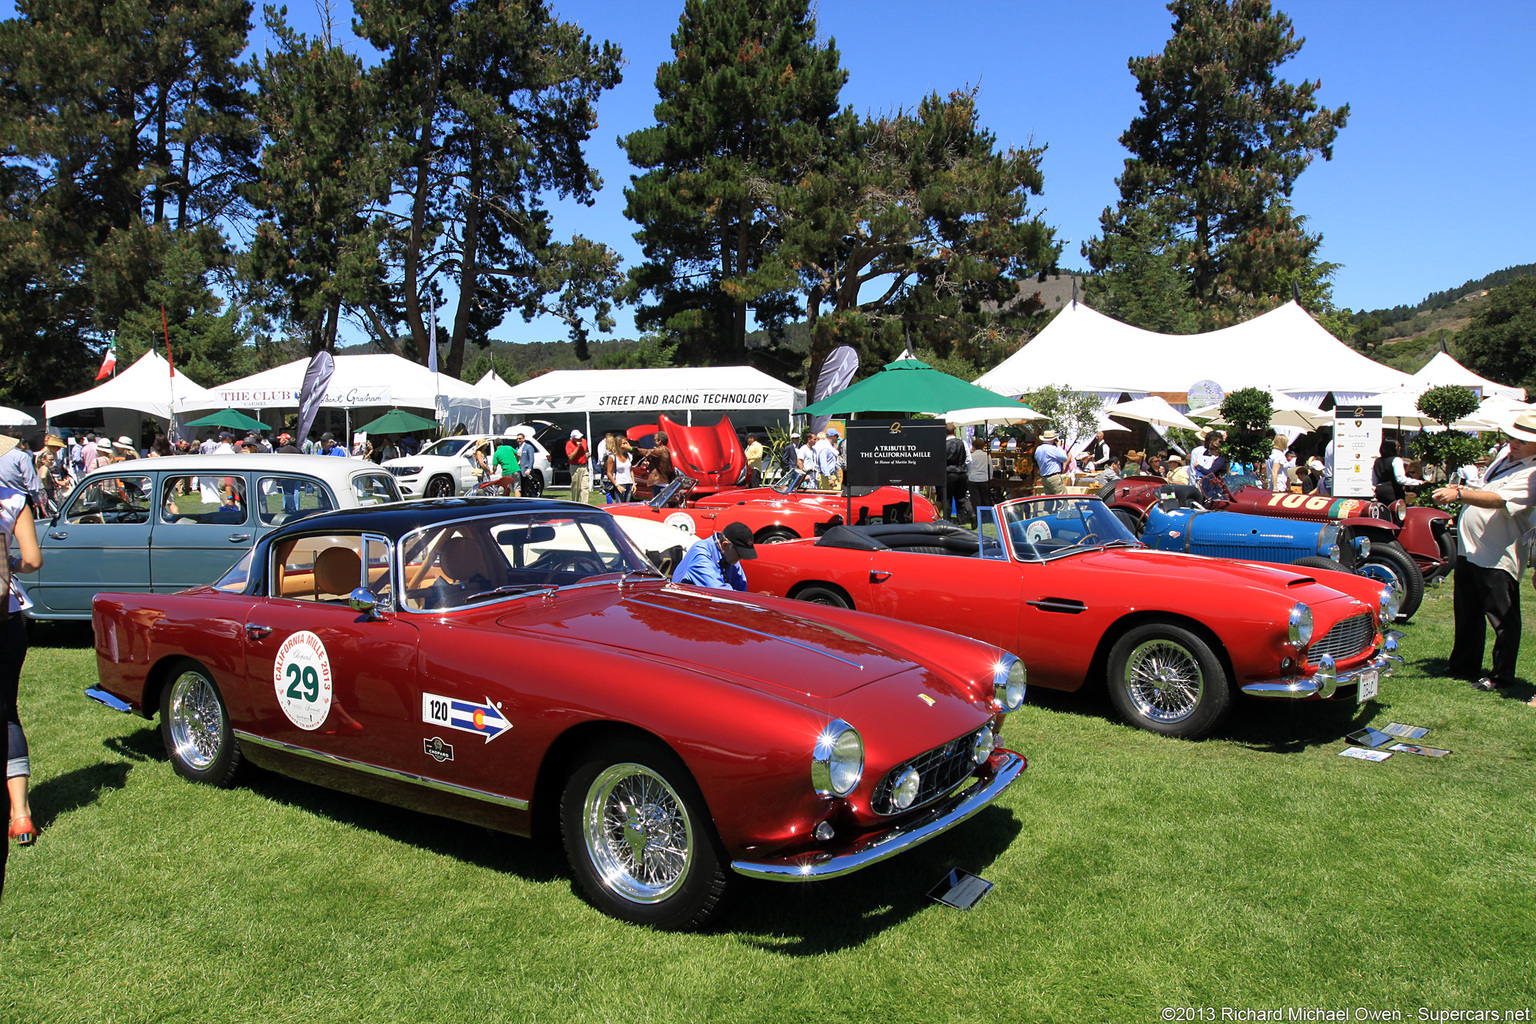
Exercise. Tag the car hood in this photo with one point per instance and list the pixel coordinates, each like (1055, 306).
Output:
(1212, 578)
(770, 645)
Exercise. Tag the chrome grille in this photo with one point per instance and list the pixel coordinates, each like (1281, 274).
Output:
(940, 769)
(403, 470)
(1349, 639)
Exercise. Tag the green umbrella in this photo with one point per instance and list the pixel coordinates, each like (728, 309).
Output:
(397, 421)
(234, 419)
(909, 386)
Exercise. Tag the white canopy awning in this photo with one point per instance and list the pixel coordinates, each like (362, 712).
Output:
(148, 386)
(1443, 370)
(1284, 348)
(359, 381)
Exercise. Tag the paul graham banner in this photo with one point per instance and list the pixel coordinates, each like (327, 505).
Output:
(271, 398)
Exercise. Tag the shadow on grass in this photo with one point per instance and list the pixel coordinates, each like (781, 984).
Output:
(64, 794)
(812, 918)
(140, 745)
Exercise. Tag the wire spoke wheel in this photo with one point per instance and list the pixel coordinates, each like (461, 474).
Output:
(196, 720)
(1164, 681)
(638, 833)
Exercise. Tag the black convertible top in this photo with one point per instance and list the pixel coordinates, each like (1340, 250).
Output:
(930, 538)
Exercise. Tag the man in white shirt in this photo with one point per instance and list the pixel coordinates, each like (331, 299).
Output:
(1494, 525)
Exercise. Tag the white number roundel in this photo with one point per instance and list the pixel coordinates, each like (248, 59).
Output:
(682, 520)
(301, 675)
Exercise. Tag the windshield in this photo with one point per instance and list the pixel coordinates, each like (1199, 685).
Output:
(446, 446)
(675, 493)
(792, 482)
(1042, 528)
(498, 557)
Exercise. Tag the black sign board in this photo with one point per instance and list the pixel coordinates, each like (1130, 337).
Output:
(900, 453)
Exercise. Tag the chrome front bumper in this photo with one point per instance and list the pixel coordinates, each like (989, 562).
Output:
(1322, 684)
(806, 867)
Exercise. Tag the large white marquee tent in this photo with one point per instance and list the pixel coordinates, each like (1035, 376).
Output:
(146, 388)
(1443, 370)
(364, 381)
(1282, 350)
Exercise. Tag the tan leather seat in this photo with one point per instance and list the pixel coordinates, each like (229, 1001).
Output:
(459, 558)
(338, 571)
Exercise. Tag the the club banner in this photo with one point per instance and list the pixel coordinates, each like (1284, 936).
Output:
(900, 453)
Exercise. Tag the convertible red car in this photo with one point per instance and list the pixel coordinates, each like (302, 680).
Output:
(782, 512)
(519, 665)
(1063, 583)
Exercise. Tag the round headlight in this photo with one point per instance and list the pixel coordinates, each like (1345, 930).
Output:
(837, 762)
(1391, 601)
(1300, 624)
(983, 744)
(905, 790)
(1399, 510)
(1009, 683)
(1328, 542)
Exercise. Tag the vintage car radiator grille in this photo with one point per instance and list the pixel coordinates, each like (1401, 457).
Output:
(1247, 552)
(1348, 639)
(941, 770)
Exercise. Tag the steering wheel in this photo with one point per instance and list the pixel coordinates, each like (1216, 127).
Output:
(571, 561)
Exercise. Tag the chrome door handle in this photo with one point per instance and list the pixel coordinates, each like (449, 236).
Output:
(876, 576)
(239, 538)
(256, 631)
(57, 534)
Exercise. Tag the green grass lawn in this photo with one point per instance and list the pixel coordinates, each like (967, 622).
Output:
(1255, 870)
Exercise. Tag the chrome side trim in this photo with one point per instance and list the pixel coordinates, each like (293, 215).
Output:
(806, 867)
(103, 697)
(388, 773)
(1301, 687)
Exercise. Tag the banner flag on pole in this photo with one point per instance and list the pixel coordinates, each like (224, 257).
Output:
(432, 338)
(108, 362)
(317, 376)
(167, 329)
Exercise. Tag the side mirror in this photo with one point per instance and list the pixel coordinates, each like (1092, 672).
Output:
(365, 601)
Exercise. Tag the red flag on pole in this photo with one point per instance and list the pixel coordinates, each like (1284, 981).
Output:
(108, 362)
(167, 329)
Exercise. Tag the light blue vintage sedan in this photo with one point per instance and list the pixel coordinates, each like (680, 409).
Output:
(163, 525)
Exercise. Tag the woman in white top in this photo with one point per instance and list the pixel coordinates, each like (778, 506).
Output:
(620, 472)
(1275, 467)
(23, 555)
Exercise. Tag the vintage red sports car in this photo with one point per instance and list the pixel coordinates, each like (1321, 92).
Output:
(1064, 584)
(519, 665)
(781, 512)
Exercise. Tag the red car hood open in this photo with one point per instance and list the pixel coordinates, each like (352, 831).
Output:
(712, 456)
(703, 630)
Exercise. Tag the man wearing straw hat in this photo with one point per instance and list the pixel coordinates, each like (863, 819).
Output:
(1051, 459)
(1494, 527)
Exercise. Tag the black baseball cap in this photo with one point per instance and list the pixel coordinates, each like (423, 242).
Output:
(741, 539)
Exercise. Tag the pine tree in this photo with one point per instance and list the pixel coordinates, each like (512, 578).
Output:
(1215, 153)
(747, 107)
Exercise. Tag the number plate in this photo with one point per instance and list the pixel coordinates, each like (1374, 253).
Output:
(1369, 682)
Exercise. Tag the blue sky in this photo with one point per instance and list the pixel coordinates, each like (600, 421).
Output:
(1430, 184)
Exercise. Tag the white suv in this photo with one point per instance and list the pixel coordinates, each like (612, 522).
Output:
(446, 467)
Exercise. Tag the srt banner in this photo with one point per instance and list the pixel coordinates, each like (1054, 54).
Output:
(900, 453)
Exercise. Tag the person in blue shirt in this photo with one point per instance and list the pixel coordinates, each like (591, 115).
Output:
(1051, 459)
(716, 561)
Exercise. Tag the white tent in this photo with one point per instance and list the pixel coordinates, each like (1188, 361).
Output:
(1444, 370)
(676, 389)
(147, 387)
(492, 386)
(1284, 348)
(365, 381)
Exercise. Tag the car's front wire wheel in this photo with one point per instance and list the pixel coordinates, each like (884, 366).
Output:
(638, 840)
(1165, 679)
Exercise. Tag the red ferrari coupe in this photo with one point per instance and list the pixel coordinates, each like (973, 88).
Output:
(782, 512)
(519, 665)
(1064, 584)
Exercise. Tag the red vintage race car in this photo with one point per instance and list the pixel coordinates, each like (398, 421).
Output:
(783, 512)
(517, 664)
(1064, 584)
(1412, 545)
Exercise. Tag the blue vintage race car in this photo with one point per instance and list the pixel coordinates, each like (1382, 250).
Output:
(1313, 545)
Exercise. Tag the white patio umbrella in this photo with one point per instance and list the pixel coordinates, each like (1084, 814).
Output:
(1153, 410)
(991, 414)
(15, 418)
(1288, 412)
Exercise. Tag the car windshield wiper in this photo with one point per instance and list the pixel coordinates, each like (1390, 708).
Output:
(512, 588)
(1117, 543)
